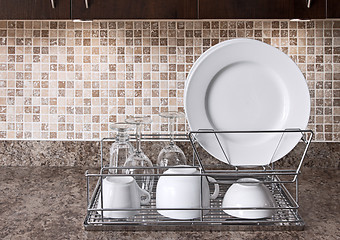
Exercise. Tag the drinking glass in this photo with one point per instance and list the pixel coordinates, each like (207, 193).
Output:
(121, 149)
(171, 154)
(138, 161)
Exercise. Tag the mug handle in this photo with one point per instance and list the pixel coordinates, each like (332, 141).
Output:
(146, 194)
(217, 188)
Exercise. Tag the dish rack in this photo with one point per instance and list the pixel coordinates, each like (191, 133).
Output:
(282, 183)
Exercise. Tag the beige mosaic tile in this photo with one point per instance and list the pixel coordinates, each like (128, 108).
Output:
(65, 80)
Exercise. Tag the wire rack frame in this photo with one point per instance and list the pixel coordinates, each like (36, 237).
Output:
(286, 215)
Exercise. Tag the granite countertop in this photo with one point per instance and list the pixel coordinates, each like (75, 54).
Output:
(50, 203)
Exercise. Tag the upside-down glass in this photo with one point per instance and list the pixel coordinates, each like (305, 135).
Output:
(121, 149)
(138, 161)
(171, 155)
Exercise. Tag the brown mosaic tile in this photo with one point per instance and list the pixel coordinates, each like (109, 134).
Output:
(74, 70)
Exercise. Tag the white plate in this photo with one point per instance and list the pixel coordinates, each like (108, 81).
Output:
(244, 84)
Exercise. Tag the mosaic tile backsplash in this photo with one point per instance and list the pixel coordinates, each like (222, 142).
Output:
(64, 80)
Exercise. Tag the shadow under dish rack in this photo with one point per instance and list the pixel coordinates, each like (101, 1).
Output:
(282, 183)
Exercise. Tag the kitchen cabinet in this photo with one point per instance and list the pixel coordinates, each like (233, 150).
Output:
(261, 9)
(134, 9)
(169, 9)
(35, 9)
(317, 9)
(244, 9)
(333, 8)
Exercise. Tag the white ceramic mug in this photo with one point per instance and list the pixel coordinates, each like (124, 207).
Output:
(122, 192)
(184, 192)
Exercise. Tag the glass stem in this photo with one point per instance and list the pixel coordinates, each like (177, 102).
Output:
(122, 137)
(138, 136)
(172, 130)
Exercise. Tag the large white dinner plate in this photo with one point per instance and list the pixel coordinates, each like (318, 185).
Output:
(242, 85)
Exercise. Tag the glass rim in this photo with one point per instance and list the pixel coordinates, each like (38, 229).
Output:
(122, 126)
(172, 114)
(138, 119)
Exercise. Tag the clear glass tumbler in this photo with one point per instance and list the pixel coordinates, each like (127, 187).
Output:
(121, 149)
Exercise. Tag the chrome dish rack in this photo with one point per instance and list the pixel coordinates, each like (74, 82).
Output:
(280, 181)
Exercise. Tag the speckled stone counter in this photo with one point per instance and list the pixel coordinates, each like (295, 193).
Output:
(50, 203)
(87, 153)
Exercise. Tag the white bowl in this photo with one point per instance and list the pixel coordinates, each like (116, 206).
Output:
(249, 193)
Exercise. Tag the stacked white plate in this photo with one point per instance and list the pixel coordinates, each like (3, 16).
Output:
(246, 85)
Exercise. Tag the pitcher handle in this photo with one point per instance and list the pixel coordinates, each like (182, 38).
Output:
(145, 194)
(217, 188)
